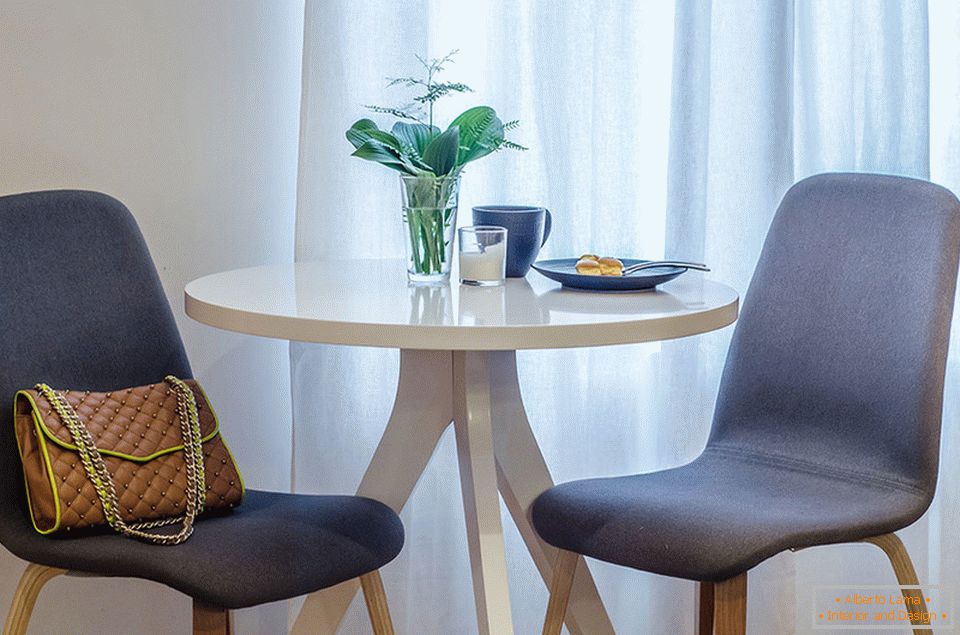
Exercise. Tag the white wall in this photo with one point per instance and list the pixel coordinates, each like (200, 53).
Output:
(188, 112)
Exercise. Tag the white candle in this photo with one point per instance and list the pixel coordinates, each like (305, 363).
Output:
(483, 266)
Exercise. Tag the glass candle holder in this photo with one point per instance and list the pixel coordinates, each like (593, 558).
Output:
(483, 255)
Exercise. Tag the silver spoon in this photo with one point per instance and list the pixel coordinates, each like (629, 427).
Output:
(665, 263)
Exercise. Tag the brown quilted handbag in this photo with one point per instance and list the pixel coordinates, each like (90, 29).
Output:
(136, 458)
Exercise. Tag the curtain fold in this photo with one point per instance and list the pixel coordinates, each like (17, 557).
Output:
(667, 128)
(730, 162)
(864, 104)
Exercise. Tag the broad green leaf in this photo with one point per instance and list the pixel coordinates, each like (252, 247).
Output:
(373, 150)
(441, 154)
(386, 139)
(359, 132)
(481, 132)
(414, 137)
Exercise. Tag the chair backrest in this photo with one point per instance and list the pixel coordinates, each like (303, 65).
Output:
(838, 358)
(81, 307)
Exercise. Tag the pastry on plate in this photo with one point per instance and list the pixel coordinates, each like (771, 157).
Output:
(589, 267)
(610, 266)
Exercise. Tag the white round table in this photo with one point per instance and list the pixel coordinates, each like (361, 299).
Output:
(457, 365)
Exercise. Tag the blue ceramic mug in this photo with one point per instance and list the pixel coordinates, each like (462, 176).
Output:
(528, 228)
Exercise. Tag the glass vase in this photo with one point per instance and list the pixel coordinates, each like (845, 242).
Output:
(429, 219)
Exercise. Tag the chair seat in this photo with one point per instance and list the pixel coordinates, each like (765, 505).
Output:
(722, 514)
(272, 547)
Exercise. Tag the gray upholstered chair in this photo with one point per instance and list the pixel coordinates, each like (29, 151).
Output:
(827, 424)
(82, 307)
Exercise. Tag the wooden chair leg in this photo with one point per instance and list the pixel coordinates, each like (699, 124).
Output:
(210, 620)
(376, 599)
(704, 609)
(31, 582)
(730, 606)
(563, 572)
(906, 574)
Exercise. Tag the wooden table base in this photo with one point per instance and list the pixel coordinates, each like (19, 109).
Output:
(479, 392)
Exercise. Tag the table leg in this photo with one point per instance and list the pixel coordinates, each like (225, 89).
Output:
(522, 475)
(478, 483)
(422, 410)
(496, 450)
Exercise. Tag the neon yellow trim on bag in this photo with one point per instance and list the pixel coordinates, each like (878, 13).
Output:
(47, 464)
(243, 487)
(129, 457)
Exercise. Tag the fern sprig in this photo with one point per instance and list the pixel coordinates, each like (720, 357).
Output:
(405, 81)
(433, 90)
(410, 112)
(510, 145)
(436, 91)
(420, 147)
(437, 65)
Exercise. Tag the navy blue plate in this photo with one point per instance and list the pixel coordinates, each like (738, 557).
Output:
(564, 271)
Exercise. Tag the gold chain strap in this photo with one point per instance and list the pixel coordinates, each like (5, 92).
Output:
(96, 469)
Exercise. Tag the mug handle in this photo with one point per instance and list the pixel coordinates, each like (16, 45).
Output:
(547, 226)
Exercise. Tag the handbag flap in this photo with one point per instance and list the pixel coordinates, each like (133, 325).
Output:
(137, 424)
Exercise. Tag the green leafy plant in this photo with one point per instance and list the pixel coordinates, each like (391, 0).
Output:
(430, 160)
(414, 145)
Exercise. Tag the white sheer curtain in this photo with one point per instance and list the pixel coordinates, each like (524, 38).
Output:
(655, 128)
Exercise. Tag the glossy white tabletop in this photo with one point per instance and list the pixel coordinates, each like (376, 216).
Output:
(369, 303)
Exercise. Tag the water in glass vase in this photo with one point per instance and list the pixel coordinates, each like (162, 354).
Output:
(429, 219)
